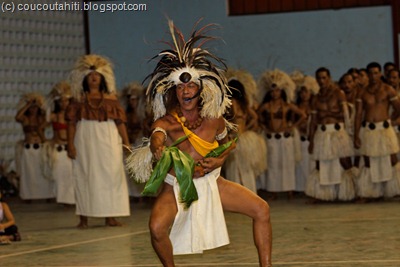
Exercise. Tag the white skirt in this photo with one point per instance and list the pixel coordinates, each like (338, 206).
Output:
(303, 167)
(62, 175)
(99, 175)
(33, 184)
(202, 226)
(281, 165)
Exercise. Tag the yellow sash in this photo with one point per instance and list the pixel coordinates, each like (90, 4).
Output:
(201, 146)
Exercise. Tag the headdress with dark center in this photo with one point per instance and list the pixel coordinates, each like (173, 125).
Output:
(187, 62)
(271, 78)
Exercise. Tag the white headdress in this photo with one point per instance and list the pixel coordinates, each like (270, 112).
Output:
(85, 65)
(305, 81)
(247, 80)
(185, 63)
(280, 79)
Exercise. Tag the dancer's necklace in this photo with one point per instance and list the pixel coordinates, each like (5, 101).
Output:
(190, 126)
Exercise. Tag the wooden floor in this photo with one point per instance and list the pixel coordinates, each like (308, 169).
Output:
(341, 235)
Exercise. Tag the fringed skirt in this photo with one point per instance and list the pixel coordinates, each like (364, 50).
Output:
(331, 141)
(378, 139)
(343, 191)
(378, 142)
(248, 160)
(366, 188)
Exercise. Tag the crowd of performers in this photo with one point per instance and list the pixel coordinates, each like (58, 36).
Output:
(297, 133)
(332, 141)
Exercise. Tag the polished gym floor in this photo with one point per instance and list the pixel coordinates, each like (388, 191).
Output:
(334, 234)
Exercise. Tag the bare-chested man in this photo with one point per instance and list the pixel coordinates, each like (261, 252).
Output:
(375, 136)
(330, 143)
(188, 94)
(393, 79)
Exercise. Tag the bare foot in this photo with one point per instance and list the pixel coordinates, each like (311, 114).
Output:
(110, 221)
(273, 197)
(82, 226)
(362, 200)
(83, 223)
(313, 201)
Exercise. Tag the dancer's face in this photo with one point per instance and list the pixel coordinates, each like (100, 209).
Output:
(187, 95)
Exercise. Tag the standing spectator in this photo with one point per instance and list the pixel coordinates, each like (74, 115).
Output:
(96, 136)
(31, 115)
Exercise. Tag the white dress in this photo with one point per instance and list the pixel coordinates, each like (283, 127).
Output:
(99, 175)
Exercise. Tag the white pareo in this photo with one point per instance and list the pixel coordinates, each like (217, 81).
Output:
(33, 184)
(281, 163)
(58, 167)
(304, 166)
(202, 226)
(248, 160)
(99, 174)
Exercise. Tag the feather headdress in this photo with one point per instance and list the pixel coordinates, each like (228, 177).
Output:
(134, 90)
(34, 96)
(85, 65)
(60, 90)
(247, 80)
(281, 80)
(305, 81)
(185, 62)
